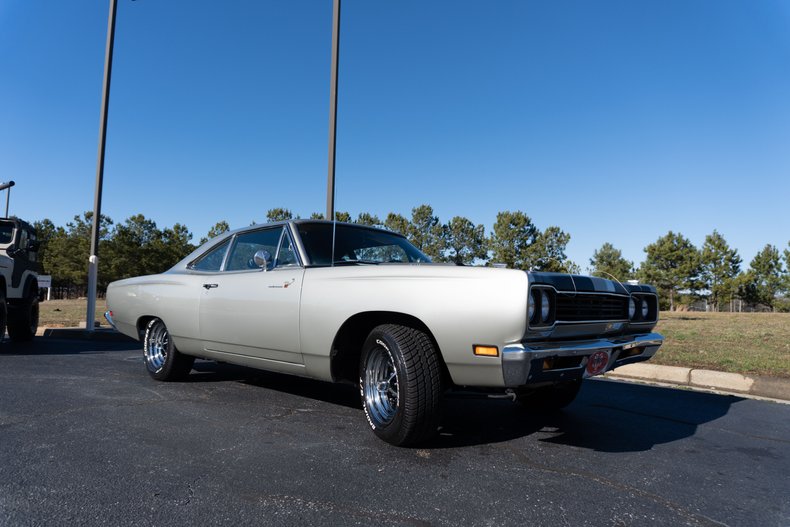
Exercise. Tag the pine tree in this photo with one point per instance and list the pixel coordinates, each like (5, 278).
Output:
(720, 267)
(672, 264)
(608, 262)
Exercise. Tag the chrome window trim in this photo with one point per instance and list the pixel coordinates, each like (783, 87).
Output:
(258, 228)
(301, 252)
(286, 232)
(277, 250)
(286, 229)
(227, 253)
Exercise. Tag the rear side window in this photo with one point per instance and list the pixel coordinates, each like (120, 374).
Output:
(212, 260)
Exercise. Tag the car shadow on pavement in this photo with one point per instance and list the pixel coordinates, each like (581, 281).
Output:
(607, 416)
(45, 346)
(339, 394)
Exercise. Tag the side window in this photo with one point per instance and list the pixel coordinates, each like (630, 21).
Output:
(23, 239)
(247, 244)
(31, 255)
(287, 254)
(212, 260)
(6, 232)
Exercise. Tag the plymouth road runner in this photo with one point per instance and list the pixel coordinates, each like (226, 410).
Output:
(348, 303)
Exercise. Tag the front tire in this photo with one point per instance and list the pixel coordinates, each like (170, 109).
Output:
(162, 360)
(23, 318)
(400, 384)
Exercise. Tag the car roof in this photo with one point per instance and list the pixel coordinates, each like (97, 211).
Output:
(301, 221)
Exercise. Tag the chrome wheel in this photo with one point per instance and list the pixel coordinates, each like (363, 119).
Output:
(156, 345)
(380, 387)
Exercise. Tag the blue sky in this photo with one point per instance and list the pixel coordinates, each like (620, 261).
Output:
(615, 120)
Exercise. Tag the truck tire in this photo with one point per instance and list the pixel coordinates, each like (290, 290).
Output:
(400, 384)
(549, 398)
(3, 314)
(162, 360)
(23, 317)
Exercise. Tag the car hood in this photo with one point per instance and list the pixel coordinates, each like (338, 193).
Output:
(586, 284)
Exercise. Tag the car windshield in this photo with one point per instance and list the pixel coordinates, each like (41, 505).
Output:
(356, 245)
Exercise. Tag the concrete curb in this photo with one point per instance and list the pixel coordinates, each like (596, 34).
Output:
(773, 387)
(99, 334)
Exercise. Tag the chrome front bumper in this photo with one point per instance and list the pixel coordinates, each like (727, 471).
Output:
(523, 363)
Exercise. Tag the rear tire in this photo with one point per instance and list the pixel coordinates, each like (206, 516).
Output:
(549, 398)
(23, 318)
(162, 360)
(400, 384)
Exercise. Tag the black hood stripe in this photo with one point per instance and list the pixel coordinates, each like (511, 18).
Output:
(586, 284)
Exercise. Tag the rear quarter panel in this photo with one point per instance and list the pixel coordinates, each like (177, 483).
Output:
(173, 297)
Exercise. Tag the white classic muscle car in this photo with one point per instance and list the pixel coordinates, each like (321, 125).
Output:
(348, 303)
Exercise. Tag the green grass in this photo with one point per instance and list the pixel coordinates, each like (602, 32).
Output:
(734, 342)
(744, 343)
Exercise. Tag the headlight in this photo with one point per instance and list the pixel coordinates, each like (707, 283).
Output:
(644, 309)
(631, 308)
(531, 308)
(545, 307)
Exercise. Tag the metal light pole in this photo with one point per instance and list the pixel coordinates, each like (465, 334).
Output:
(93, 261)
(330, 183)
(4, 186)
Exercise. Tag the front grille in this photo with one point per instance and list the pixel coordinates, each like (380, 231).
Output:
(580, 307)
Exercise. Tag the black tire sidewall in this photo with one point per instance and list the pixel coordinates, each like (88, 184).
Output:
(33, 309)
(382, 339)
(418, 366)
(19, 318)
(3, 314)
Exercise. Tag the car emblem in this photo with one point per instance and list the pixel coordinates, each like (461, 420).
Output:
(597, 362)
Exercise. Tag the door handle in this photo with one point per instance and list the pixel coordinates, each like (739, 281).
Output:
(210, 286)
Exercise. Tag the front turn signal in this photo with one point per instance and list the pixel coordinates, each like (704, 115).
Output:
(486, 351)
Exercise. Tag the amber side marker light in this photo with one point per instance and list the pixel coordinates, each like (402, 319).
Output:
(486, 351)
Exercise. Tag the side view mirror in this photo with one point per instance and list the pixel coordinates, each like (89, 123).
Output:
(262, 259)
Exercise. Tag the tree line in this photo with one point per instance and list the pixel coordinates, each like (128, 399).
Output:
(681, 272)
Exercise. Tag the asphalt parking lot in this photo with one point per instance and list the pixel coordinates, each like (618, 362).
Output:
(86, 437)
